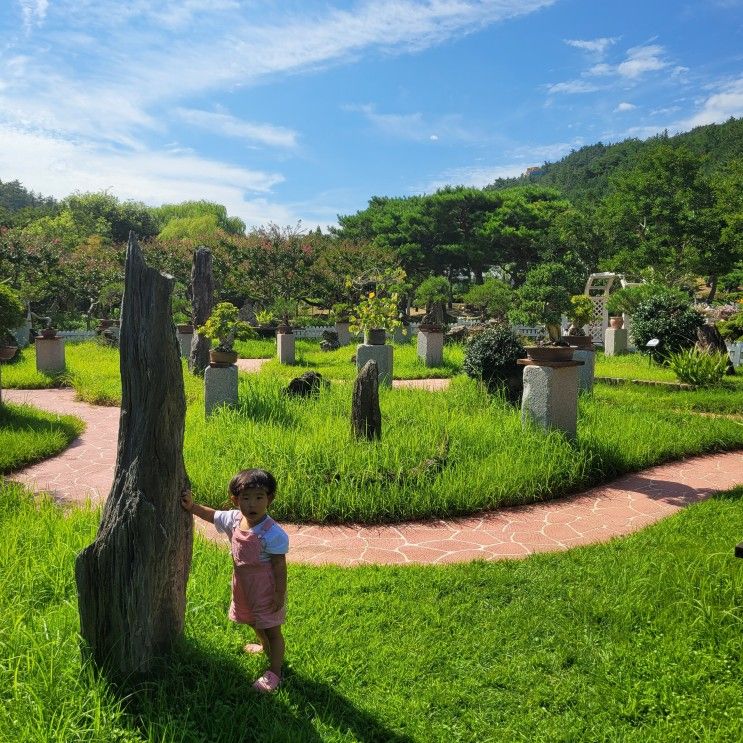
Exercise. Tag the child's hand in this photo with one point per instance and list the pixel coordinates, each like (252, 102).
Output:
(187, 500)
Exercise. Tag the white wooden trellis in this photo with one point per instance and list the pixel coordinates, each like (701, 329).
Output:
(597, 290)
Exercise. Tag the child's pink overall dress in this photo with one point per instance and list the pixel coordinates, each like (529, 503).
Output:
(253, 584)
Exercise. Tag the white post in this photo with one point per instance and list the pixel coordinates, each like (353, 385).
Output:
(431, 347)
(285, 348)
(50, 356)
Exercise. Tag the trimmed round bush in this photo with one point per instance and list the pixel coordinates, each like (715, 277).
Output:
(491, 356)
(669, 318)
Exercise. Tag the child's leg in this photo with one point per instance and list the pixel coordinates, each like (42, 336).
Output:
(275, 648)
(262, 639)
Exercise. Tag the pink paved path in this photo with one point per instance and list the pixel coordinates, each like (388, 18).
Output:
(85, 470)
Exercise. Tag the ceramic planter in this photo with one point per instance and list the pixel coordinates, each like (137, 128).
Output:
(616, 322)
(549, 353)
(7, 352)
(375, 337)
(222, 358)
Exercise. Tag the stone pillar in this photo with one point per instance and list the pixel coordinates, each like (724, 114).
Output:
(431, 347)
(586, 372)
(285, 348)
(344, 335)
(50, 355)
(550, 396)
(184, 341)
(615, 341)
(398, 336)
(382, 354)
(220, 387)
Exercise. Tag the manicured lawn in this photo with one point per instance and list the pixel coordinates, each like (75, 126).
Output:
(632, 366)
(635, 640)
(28, 435)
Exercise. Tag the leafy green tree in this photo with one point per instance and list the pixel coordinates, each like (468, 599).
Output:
(728, 187)
(195, 219)
(493, 297)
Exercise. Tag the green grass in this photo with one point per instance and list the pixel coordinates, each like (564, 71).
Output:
(632, 366)
(258, 348)
(28, 435)
(324, 475)
(635, 640)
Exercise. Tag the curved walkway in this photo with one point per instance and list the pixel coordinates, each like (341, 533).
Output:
(85, 471)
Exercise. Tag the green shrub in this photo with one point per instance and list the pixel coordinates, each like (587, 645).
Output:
(698, 368)
(732, 328)
(668, 317)
(491, 356)
(493, 297)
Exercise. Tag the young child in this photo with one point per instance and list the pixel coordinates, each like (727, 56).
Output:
(259, 546)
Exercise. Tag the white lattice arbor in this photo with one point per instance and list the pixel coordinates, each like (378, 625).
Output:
(597, 290)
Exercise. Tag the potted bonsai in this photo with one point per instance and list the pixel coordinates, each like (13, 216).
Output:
(374, 316)
(12, 315)
(580, 313)
(283, 308)
(224, 327)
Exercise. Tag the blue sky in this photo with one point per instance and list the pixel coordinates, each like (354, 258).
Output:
(287, 111)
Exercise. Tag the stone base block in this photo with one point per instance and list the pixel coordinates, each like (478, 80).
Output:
(431, 348)
(398, 336)
(50, 357)
(615, 341)
(344, 334)
(550, 398)
(285, 348)
(587, 371)
(220, 387)
(184, 341)
(381, 354)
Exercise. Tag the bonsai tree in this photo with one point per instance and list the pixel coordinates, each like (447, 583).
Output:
(378, 309)
(493, 298)
(544, 298)
(264, 317)
(579, 314)
(12, 313)
(340, 312)
(434, 292)
(225, 326)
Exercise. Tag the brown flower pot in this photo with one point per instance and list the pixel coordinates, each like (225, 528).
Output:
(7, 352)
(375, 337)
(581, 341)
(550, 353)
(185, 328)
(616, 322)
(48, 333)
(222, 358)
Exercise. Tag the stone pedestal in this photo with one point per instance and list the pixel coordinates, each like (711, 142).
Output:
(398, 336)
(550, 397)
(587, 371)
(184, 341)
(344, 334)
(381, 354)
(50, 355)
(615, 341)
(285, 348)
(431, 347)
(220, 387)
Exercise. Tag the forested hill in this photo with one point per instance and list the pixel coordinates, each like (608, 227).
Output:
(583, 175)
(18, 205)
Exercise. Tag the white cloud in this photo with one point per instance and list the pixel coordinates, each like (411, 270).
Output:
(718, 107)
(642, 59)
(624, 106)
(601, 69)
(230, 126)
(476, 176)
(572, 86)
(34, 12)
(596, 46)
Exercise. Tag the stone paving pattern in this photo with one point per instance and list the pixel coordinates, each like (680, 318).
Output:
(85, 471)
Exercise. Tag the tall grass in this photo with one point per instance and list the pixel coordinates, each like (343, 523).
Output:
(28, 435)
(635, 640)
(489, 459)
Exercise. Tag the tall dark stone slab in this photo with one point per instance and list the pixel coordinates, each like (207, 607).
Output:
(131, 580)
(366, 417)
(202, 291)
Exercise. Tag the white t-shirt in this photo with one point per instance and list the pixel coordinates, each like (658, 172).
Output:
(274, 541)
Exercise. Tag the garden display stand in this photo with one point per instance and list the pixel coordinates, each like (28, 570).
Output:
(381, 353)
(431, 345)
(50, 354)
(550, 398)
(285, 345)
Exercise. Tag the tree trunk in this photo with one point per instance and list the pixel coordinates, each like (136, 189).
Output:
(131, 581)
(710, 340)
(712, 288)
(202, 286)
(366, 417)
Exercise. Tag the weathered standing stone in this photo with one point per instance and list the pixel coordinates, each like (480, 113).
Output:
(710, 340)
(202, 289)
(131, 581)
(305, 385)
(366, 417)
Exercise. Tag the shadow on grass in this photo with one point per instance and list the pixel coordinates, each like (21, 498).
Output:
(207, 696)
(26, 418)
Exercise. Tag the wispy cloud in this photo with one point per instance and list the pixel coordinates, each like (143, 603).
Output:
(230, 126)
(641, 60)
(33, 11)
(476, 176)
(625, 106)
(595, 46)
(727, 101)
(572, 86)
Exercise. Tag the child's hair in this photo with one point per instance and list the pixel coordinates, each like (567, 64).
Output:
(252, 478)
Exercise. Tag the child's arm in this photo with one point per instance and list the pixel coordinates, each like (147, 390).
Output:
(278, 566)
(203, 512)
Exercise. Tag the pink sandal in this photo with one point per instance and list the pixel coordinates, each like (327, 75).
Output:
(267, 683)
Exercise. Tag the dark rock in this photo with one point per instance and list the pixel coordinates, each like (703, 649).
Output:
(366, 416)
(202, 293)
(306, 385)
(710, 340)
(329, 341)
